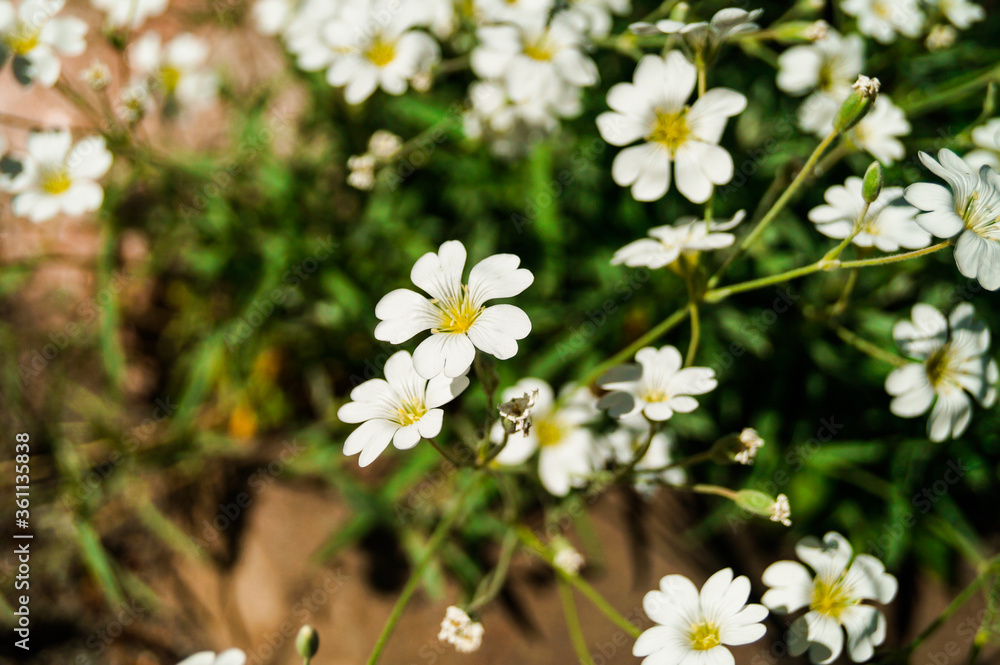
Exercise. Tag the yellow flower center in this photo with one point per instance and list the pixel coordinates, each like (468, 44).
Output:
(881, 10)
(169, 78)
(55, 181)
(538, 49)
(410, 412)
(457, 314)
(939, 366)
(670, 129)
(381, 52)
(831, 599)
(655, 395)
(704, 636)
(23, 39)
(549, 432)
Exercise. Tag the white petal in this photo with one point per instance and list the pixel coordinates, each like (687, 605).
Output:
(403, 314)
(496, 330)
(444, 352)
(440, 274)
(498, 276)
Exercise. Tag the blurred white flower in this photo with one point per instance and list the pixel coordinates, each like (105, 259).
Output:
(459, 630)
(59, 177)
(961, 13)
(129, 13)
(361, 171)
(661, 389)
(827, 69)
(303, 36)
(598, 15)
(666, 243)
(954, 360)
(693, 627)
(133, 101)
(876, 132)
(34, 39)
(534, 56)
(97, 76)
(227, 657)
(883, 19)
(706, 35)
(888, 225)
(653, 109)
(271, 17)
(941, 37)
(567, 558)
(176, 68)
(402, 408)
(456, 313)
(511, 11)
(971, 208)
(566, 450)
(834, 597)
(626, 441)
(986, 138)
(374, 44)
(384, 145)
(494, 113)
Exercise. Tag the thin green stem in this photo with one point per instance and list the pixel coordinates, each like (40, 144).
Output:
(835, 253)
(778, 205)
(433, 544)
(876, 352)
(573, 624)
(695, 334)
(713, 490)
(680, 464)
(532, 542)
(948, 95)
(497, 578)
(444, 453)
(895, 258)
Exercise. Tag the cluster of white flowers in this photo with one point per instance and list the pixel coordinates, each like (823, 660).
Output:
(884, 20)
(695, 626)
(459, 630)
(661, 387)
(888, 224)
(952, 362)
(383, 147)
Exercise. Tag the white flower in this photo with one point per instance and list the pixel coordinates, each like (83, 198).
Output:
(456, 316)
(883, 19)
(877, 131)
(695, 627)
(986, 138)
(597, 14)
(826, 68)
(175, 68)
(626, 441)
(781, 510)
(373, 44)
(661, 388)
(961, 13)
(653, 108)
(304, 34)
(971, 208)
(752, 442)
(461, 631)
(133, 102)
(534, 56)
(384, 145)
(566, 450)
(954, 360)
(59, 177)
(887, 225)
(667, 243)
(402, 408)
(567, 558)
(834, 597)
(494, 113)
(271, 17)
(227, 657)
(362, 171)
(941, 37)
(97, 76)
(34, 38)
(129, 13)
(511, 11)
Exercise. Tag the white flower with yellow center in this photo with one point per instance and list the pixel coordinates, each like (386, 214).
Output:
(888, 225)
(971, 208)
(402, 408)
(459, 630)
(59, 177)
(961, 13)
(534, 56)
(954, 363)
(666, 243)
(373, 44)
(884, 19)
(877, 133)
(658, 387)
(129, 13)
(456, 313)
(566, 450)
(694, 628)
(227, 657)
(33, 39)
(986, 138)
(653, 109)
(175, 69)
(834, 597)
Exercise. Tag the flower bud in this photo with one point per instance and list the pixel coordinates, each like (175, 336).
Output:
(872, 186)
(737, 448)
(307, 642)
(857, 105)
(792, 32)
(755, 502)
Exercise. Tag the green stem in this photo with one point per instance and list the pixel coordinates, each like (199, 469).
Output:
(895, 258)
(835, 253)
(436, 540)
(532, 542)
(778, 205)
(499, 574)
(687, 461)
(872, 350)
(444, 453)
(714, 490)
(948, 95)
(573, 624)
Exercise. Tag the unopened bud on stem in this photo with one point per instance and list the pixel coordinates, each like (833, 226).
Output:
(857, 105)
(872, 186)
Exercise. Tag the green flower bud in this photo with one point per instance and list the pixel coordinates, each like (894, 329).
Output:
(857, 105)
(872, 186)
(307, 642)
(793, 32)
